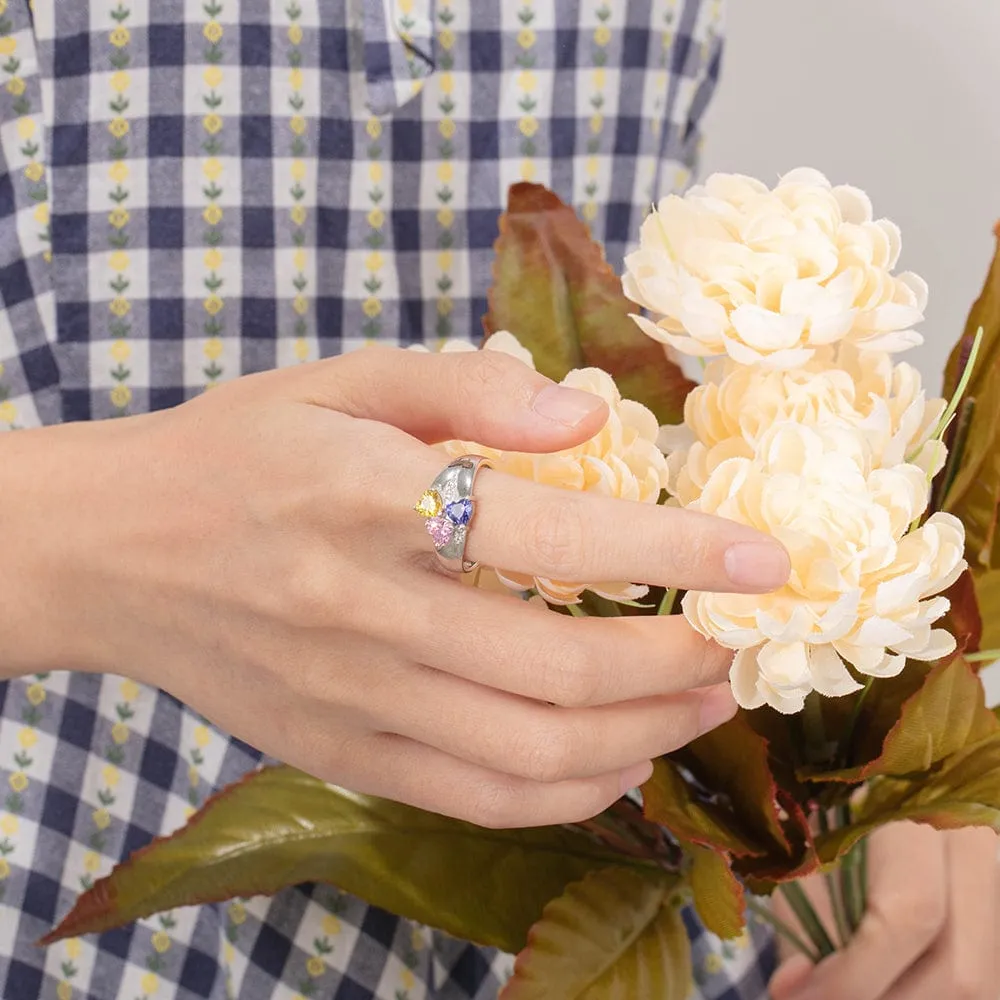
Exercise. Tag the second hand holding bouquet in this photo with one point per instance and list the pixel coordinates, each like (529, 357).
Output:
(861, 705)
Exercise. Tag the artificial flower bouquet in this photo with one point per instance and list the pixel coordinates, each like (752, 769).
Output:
(860, 701)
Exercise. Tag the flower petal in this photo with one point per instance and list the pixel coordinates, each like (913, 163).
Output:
(829, 675)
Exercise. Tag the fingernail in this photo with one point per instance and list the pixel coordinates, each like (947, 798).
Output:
(566, 406)
(757, 565)
(636, 775)
(717, 706)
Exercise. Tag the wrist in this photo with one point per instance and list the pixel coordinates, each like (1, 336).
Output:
(53, 511)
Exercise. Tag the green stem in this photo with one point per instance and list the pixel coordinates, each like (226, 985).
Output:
(576, 611)
(785, 930)
(668, 602)
(963, 384)
(983, 656)
(835, 889)
(852, 722)
(863, 878)
(849, 885)
(814, 729)
(854, 898)
(808, 918)
(956, 452)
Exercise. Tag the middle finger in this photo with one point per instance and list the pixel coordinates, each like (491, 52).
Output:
(502, 642)
(527, 739)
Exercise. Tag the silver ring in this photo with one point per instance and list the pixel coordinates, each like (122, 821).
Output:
(448, 508)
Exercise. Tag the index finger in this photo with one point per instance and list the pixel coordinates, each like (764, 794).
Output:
(564, 535)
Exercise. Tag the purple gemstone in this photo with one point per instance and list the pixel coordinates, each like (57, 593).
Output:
(459, 512)
(440, 529)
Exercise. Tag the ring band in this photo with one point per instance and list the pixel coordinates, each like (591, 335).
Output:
(448, 508)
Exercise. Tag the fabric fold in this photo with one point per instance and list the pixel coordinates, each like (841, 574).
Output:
(399, 51)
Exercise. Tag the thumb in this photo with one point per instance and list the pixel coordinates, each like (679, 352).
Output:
(483, 396)
(792, 976)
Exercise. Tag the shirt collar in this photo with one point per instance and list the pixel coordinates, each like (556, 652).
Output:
(399, 51)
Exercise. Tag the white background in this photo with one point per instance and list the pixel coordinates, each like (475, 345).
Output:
(899, 97)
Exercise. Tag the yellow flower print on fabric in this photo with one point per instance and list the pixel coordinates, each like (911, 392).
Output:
(213, 124)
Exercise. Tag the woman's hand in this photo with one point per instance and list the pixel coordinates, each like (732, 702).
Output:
(255, 552)
(931, 931)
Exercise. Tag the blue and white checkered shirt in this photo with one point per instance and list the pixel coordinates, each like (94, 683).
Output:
(191, 190)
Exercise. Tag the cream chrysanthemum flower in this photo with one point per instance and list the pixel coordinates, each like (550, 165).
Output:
(727, 415)
(622, 461)
(769, 276)
(862, 586)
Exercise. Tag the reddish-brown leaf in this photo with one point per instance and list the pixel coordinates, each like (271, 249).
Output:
(735, 763)
(668, 799)
(554, 290)
(762, 874)
(964, 620)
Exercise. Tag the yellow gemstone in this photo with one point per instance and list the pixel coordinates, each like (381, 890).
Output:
(429, 504)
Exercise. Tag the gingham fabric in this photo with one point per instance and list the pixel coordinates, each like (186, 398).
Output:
(191, 190)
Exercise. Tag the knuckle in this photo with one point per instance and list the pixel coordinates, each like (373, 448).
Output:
(549, 753)
(591, 803)
(918, 917)
(488, 373)
(557, 535)
(305, 599)
(492, 805)
(689, 555)
(573, 676)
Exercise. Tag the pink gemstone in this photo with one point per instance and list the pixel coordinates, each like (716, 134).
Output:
(440, 529)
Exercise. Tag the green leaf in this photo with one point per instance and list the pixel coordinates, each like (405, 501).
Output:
(963, 791)
(557, 294)
(279, 827)
(986, 314)
(718, 894)
(863, 733)
(974, 495)
(947, 715)
(988, 595)
(613, 936)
